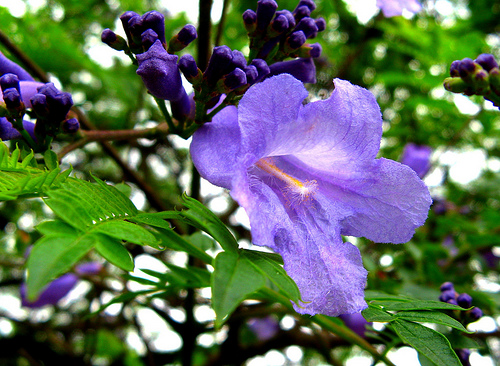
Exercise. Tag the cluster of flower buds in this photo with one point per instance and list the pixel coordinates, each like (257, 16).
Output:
(475, 77)
(157, 64)
(277, 35)
(450, 296)
(61, 286)
(227, 72)
(49, 105)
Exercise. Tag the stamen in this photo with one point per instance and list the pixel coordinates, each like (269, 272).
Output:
(298, 190)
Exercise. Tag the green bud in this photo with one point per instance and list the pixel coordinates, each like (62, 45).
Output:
(494, 78)
(455, 85)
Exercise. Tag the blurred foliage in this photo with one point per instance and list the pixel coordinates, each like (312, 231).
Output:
(402, 61)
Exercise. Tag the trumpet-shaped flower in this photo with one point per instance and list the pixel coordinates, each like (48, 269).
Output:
(391, 8)
(307, 174)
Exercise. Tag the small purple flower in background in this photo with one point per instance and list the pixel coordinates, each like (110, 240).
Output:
(356, 322)
(418, 158)
(307, 175)
(392, 8)
(54, 292)
(264, 328)
(61, 286)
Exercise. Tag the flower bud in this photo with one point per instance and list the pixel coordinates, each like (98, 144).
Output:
(301, 12)
(262, 68)
(475, 313)
(8, 132)
(182, 108)
(54, 292)
(250, 20)
(279, 24)
(265, 12)
(218, 64)
(295, 41)
(321, 24)
(238, 60)
(356, 322)
(182, 39)
(418, 158)
(71, 125)
(447, 286)
(308, 26)
(8, 81)
(302, 69)
(289, 16)
(160, 73)
(251, 73)
(113, 40)
(494, 78)
(188, 67)
(454, 68)
(456, 85)
(310, 50)
(231, 81)
(447, 295)
(464, 300)
(156, 21)
(148, 38)
(487, 61)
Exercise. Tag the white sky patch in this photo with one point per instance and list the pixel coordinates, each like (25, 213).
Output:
(465, 166)
(190, 7)
(465, 105)
(364, 9)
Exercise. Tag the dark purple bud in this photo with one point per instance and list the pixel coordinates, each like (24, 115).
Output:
(301, 12)
(12, 98)
(262, 68)
(251, 73)
(356, 322)
(48, 90)
(452, 302)
(454, 68)
(187, 65)
(59, 106)
(187, 34)
(321, 24)
(8, 66)
(280, 24)
(55, 291)
(487, 61)
(238, 60)
(302, 69)
(308, 26)
(296, 40)
(71, 125)
(234, 80)
(264, 328)
(475, 313)
(182, 108)
(265, 12)
(466, 67)
(125, 19)
(160, 73)
(309, 3)
(39, 105)
(448, 295)
(418, 158)
(88, 269)
(464, 300)
(113, 40)
(156, 21)
(8, 132)
(310, 50)
(447, 286)
(148, 38)
(8, 81)
(218, 64)
(289, 16)
(250, 20)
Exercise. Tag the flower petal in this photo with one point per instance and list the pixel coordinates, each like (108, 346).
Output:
(215, 147)
(328, 272)
(387, 199)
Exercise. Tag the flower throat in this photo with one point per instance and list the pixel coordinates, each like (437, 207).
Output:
(298, 191)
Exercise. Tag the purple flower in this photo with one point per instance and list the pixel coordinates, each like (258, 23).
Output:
(264, 328)
(54, 292)
(417, 157)
(356, 322)
(160, 73)
(391, 8)
(307, 175)
(28, 90)
(8, 132)
(300, 68)
(8, 66)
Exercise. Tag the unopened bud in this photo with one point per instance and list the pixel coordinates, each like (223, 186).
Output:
(113, 40)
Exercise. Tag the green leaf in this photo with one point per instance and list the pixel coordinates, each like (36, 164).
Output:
(50, 158)
(233, 280)
(113, 251)
(432, 317)
(56, 227)
(176, 242)
(210, 223)
(430, 343)
(274, 272)
(127, 231)
(416, 305)
(375, 314)
(53, 255)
